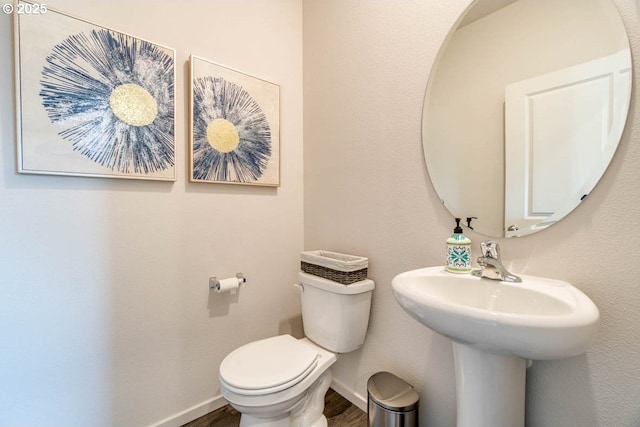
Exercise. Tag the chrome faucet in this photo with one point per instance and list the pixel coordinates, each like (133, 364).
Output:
(491, 265)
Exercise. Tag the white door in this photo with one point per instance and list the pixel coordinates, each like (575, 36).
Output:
(561, 130)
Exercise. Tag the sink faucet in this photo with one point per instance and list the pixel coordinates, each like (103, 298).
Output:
(491, 265)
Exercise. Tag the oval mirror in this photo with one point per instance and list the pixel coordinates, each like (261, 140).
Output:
(524, 110)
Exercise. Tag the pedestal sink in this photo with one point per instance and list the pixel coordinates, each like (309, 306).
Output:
(495, 326)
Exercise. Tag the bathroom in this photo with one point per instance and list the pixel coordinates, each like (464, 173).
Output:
(106, 318)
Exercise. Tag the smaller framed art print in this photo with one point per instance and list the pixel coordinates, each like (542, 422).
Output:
(92, 101)
(235, 126)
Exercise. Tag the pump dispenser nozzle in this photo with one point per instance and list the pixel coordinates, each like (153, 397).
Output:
(469, 219)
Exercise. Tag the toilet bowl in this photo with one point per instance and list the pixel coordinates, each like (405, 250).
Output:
(274, 391)
(281, 381)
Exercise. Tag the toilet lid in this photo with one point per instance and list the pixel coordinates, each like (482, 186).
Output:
(274, 363)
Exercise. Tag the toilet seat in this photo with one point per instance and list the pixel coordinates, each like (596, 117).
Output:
(267, 366)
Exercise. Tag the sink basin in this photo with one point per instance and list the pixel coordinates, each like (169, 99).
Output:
(494, 327)
(536, 319)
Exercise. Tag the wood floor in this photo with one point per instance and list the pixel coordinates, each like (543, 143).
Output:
(338, 410)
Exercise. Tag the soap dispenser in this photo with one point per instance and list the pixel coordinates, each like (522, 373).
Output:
(458, 251)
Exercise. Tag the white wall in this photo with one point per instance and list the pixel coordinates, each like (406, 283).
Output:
(367, 192)
(106, 318)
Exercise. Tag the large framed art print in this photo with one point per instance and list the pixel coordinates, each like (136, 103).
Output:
(92, 101)
(235, 126)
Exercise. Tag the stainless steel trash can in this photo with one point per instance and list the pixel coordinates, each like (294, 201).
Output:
(392, 402)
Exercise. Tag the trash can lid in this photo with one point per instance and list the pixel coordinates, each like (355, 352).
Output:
(392, 393)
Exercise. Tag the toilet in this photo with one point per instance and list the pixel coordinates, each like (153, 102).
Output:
(281, 381)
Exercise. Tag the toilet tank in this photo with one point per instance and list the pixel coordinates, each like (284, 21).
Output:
(335, 316)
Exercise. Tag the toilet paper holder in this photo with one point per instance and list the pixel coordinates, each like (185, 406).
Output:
(215, 283)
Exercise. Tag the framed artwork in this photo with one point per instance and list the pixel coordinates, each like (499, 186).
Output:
(92, 101)
(235, 126)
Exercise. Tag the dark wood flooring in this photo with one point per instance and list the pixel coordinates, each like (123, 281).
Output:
(338, 410)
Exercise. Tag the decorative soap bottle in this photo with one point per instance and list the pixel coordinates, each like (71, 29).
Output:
(458, 251)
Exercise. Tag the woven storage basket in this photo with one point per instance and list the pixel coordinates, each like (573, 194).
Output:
(341, 268)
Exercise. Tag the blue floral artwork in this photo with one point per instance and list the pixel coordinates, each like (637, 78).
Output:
(233, 139)
(108, 96)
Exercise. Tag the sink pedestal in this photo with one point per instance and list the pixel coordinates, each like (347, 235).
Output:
(490, 388)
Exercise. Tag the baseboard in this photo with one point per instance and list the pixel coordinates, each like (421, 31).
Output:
(218, 402)
(192, 413)
(349, 394)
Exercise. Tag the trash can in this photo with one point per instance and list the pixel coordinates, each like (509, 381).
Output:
(392, 402)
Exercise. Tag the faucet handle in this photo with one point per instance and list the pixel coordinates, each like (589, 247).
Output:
(490, 249)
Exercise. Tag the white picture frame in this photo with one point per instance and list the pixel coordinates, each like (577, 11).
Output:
(91, 101)
(234, 126)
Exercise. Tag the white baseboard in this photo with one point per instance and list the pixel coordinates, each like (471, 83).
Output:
(192, 413)
(218, 402)
(349, 394)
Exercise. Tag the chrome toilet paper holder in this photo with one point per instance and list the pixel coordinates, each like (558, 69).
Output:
(214, 282)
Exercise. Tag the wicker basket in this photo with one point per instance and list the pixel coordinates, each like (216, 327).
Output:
(341, 268)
